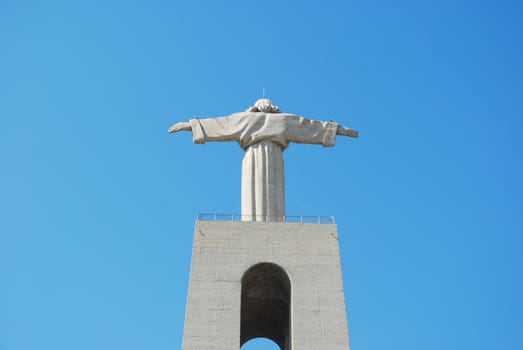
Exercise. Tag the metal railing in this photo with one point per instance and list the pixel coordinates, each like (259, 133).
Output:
(271, 218)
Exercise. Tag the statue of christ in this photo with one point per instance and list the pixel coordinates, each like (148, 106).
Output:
(264, 133)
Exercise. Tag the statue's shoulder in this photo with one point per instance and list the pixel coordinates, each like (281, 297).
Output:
(240, 114)
(234, 116)
(285, 115)
(248, 114)
(241, 117)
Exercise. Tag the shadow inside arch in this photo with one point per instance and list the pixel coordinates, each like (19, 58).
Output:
(265, 305)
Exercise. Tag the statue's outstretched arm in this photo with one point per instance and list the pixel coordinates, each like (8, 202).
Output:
(346, 131)
(180, 126)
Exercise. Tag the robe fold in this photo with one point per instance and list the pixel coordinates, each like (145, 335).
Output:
(263, 136)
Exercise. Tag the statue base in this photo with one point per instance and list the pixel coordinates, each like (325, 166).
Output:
(276, 280)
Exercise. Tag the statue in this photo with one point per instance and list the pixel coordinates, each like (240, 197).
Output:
(264, 133)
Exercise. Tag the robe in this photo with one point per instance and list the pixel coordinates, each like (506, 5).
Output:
(263, 136)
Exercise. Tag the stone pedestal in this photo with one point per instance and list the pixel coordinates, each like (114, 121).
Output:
(278, 280)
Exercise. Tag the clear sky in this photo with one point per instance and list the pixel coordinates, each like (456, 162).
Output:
(98, 201)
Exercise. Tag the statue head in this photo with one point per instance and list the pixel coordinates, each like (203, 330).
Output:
(264, 105)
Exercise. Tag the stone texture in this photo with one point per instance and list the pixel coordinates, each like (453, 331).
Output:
(224, 251)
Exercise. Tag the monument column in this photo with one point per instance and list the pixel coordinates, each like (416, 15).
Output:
(264, 276)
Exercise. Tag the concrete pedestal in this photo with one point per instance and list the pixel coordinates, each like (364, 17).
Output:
(310, 286)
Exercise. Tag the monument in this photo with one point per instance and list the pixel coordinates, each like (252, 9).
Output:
(264, 276)
(264, 133)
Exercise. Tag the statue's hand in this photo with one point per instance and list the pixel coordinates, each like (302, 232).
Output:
(180, 126)
(346, 131)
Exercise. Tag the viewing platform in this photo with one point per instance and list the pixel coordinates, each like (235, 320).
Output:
(268, 218)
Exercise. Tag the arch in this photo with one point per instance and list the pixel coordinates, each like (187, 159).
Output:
(265, 304)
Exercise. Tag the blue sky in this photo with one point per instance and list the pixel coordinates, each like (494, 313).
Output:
(98, 201)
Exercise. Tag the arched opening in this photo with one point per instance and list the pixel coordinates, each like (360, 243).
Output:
(265, 305)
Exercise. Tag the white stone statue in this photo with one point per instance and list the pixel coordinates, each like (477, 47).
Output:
(264, 133)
